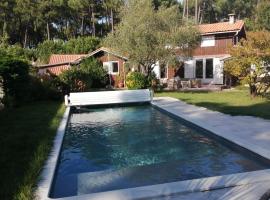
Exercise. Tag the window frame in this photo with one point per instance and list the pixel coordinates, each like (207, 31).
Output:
(208, 41)
(202, 68)
(212, 75)
(108, 66)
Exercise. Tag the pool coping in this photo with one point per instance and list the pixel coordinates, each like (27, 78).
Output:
(159, 190)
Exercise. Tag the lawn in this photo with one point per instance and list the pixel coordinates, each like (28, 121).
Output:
(235, 102)
(26, 137)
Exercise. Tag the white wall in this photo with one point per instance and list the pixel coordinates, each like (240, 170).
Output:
(156, 70)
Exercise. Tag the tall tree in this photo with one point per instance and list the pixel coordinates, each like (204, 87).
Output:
(112, 7)
(263, 15)
(25, 9)
(148, 36)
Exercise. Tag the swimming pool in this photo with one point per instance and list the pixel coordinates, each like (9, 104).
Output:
(108, 149)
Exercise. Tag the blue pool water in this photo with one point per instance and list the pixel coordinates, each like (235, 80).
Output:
(116, 148)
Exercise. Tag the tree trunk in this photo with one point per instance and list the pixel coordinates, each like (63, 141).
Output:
(112, 20)
(92, 20)
(82, 26)
(184, 8)
(187, 9)
(252, 90)
(196, 11)
(25, 37)
(48, 31)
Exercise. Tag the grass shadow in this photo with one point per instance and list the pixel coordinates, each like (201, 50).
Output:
(27, 134)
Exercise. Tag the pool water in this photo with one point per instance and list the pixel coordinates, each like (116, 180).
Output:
(123, 147)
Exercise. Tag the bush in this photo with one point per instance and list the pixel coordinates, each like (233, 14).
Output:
(48, 47)
(136, 80)
(15, 80)
(75, 80)
(89, 74)
(80, 45)
(94, 70)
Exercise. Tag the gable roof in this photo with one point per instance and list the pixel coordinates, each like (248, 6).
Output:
(108, 50)
(221, 27)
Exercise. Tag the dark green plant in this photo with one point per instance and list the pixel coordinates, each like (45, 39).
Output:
(136, 80)
(95, 71)
(75, 80)
(15, 80)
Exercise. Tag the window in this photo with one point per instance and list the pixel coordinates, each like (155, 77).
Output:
(111, 67)
(163, 71)
(115, 68)
(209, 68)
(199, 68)
(208, 41)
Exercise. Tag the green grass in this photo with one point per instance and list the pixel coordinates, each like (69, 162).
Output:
(235, 102)
(26, 138)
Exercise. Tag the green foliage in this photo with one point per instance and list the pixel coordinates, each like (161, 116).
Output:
(15, 78)
(94, 69)
(48, 47)
(250, 62)
(263, 15)
(147, 35)
(75, 80)
(136, 80)
(89, 74)
(27, 133)
(81, 45)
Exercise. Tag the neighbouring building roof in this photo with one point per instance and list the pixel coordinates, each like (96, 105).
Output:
(61, 62)
(65, 58)
(221, 27)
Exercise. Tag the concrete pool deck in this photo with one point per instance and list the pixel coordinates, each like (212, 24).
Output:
(251, 133)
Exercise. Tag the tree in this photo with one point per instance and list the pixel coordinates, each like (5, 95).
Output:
(251, 62)
(263, 15)
(111, 7)
(148, 36)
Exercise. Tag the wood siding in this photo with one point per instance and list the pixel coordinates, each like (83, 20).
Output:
(223, 42)
(105, 57)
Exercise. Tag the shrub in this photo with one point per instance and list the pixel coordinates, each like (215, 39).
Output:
(15, 80)
(81, 45)
(136, 80)
(75, 80)
(48, 47)
(95, 71)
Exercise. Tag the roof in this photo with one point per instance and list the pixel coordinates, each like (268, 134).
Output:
(221, 27)
(108, 50)
(65, 58)
(58, 69)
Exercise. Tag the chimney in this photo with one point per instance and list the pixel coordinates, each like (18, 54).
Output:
(232, 18)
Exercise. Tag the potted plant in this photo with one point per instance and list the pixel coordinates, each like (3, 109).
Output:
(120, 81)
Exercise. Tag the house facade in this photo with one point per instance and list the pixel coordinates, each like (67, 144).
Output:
(112, 63)
(205, 63)
(207, 60)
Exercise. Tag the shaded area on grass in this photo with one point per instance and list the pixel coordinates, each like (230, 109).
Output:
(236, 102)
(26, 137)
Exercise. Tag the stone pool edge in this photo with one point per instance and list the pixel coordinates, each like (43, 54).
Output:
(47, 173)
(152, 191)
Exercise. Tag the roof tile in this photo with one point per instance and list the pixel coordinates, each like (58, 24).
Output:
(65, 58)
(221, 27)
